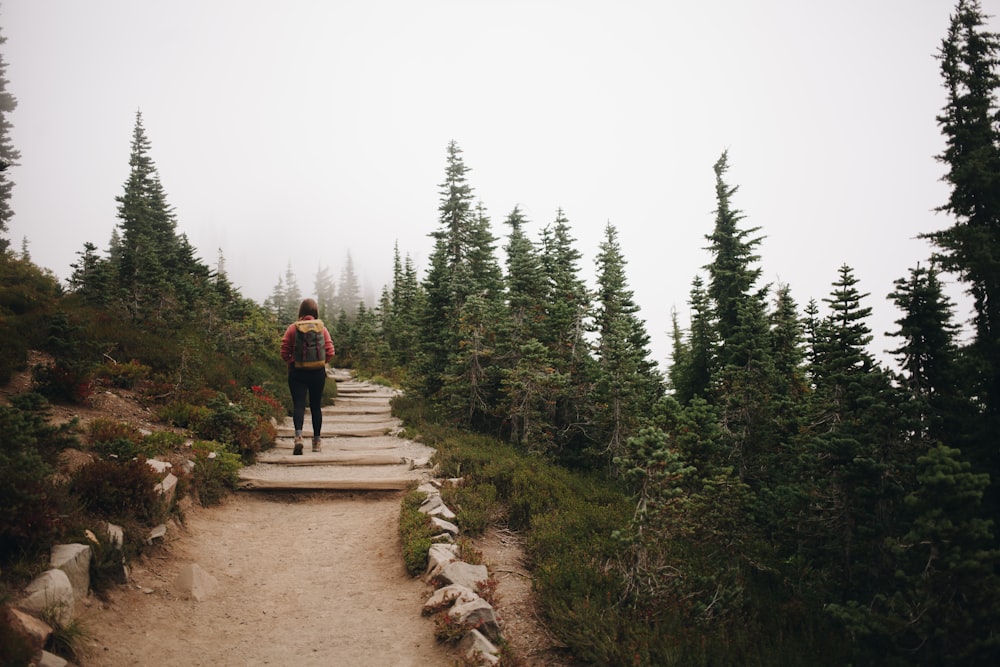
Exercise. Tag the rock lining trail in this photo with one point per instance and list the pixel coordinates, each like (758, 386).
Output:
(304, 577)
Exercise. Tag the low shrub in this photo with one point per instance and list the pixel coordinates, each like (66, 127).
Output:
(569, 520)
(262, 403)
(216, 471)
(450, 631)
(61, 382)
(119, 448)
(123, 376)
(182, 414)
(13, 351)
(107, 563)
(67, 640)
(416, 532)
(158, 443)
(114, 439)
(120, 491)
(105, 430)
(475, 506)
(30, 503)
(237, 426)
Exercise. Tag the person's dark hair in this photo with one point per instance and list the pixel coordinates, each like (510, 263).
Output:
(309, 307)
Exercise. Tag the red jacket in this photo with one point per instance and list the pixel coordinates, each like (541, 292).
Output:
(288, 342)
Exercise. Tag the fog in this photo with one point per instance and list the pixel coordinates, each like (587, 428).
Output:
(296, 132)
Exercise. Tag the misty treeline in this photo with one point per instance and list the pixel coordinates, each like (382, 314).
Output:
(794, 500)
(338, 299)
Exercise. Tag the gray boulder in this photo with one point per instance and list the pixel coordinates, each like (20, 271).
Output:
(477, 647)
(74, 560)
(464, 574)
(479, 614)
(194, 581)
(51, 593)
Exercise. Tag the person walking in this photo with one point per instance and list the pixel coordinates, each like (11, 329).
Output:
(307, 347)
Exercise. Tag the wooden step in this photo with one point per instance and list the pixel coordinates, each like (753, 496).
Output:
(361, 400)
(342, 418)
(341, 444)
(309, 458)
(336, 410)
(328, 478)
(388, 484)
(346, 389)
(342, 430)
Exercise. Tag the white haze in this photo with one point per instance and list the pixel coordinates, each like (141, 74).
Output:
(300, 131)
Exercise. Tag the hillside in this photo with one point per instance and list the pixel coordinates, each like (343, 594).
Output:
(303, 578)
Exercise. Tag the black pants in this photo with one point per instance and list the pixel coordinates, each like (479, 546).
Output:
(300, 383)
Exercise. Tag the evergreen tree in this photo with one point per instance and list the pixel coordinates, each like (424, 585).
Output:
(787, 339)
(471, 378)
(291, 298)
(695, 360)
(856, 453)
(401, 320)
(527, 291)
(462, 265)
(747, 388)
(349, 290)
(971, 246)
(745, 380)
(788, 381)
(563, 333)
(730, 274)
(151, 255)
(529, 380)
(325, 291)
(364, 343)
(628, 384)
(8, 154)
(929, 356)
(275, 302)
(812, 330)
(943, 604)
(286, 297)
(485, 275)
(93, 277)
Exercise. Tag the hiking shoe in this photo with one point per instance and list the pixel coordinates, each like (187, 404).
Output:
(297, 450)
(317, 445)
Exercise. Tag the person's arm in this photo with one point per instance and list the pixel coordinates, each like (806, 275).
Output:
(330, 352)
(288, 344)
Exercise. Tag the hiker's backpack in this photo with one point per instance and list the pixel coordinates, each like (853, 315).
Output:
(310, 344)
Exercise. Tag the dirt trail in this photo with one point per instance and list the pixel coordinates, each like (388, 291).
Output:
(304, 579)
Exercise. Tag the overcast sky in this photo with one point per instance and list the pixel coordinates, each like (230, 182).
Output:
(297, 131)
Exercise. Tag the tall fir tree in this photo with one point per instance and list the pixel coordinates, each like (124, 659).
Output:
(349, 289)
(971, 246)
(528, 378)
(855, 446)
(731, 272)
(8, 154)
(291, 297)
(929, 357)
(628, 383)
(696, 357)
(93, 278)
(325, 291)
(564, 334)
(462, 265)
(527, 289)
(745, 377)
(158, 273)
(401, 322)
